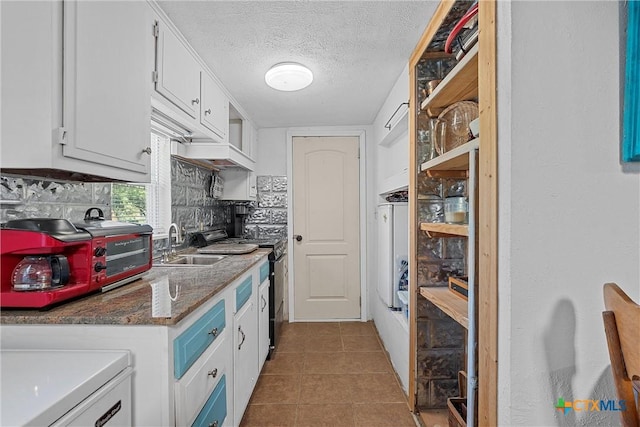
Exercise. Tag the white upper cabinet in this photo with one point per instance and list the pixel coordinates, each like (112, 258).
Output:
(187, 94)
(214, 108)
(239, 184)
(181, 79)
(178, 71)
(75, 79)
(106, 90)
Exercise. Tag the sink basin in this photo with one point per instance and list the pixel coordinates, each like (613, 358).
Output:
(192, 260)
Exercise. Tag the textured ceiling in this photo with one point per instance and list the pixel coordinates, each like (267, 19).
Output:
(356, 50)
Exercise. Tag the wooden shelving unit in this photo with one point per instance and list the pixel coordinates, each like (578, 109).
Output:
(445, 300)
(472, 78)
(460, 84)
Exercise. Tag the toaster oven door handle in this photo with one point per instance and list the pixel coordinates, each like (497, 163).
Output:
(126, 254)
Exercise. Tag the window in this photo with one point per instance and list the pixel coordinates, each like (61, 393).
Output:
(147, 203)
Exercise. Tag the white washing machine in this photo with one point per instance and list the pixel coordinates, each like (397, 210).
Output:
(65, 388)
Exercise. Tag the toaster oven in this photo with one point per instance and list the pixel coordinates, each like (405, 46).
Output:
(95, 254)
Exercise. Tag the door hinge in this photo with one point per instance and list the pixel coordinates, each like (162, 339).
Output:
(358, 152)
(156, 30)
(154, 76)
(60, 136)
(360, 300)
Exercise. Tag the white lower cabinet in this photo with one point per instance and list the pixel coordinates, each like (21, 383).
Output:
(245, 347)
(263, 324)
(200, 372)
(198, 384)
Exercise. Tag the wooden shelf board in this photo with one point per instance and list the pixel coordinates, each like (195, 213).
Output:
(453, 174)
(456, 159)
(434, 417)
(454, 306)
(459, 85)
(446, 229)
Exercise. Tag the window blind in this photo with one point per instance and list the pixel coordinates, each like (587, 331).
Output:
(147, 203)
(159, 189)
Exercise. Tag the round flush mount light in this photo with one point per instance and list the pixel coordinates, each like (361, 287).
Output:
(288, 76)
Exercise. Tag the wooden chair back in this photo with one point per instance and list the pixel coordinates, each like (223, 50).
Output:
(622, 328)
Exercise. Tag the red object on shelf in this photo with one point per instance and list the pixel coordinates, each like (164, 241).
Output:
(473, 11)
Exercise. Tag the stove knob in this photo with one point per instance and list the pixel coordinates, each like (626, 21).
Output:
(99, 251)
(99, 267)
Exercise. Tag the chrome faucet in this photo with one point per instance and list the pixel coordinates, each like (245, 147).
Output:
(171, 248)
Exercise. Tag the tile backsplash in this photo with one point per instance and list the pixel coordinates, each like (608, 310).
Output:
(191, 206)
(269, 219)
(25, 197)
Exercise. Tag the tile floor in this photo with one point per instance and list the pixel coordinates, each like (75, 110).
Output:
(328, 374)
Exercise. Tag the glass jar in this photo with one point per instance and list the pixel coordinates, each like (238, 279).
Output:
(456, 210)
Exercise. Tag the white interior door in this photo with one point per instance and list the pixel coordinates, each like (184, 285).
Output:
(326, 228)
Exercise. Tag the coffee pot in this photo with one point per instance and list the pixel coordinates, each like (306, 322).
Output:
(36, 273)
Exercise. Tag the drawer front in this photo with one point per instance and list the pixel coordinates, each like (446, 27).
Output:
(215, 410)
(264, 271)
(197, 384)
(190, 344)
(243, 292)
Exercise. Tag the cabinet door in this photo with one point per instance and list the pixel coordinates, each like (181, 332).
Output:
(27, 101)
(239, 184)
(106, 72)
(214, 108)
(245, 357)
(263, 322)
(178, 71)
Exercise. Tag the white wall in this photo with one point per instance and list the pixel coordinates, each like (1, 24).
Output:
(386, 161)
(569, 211)
(393, 158)
(272, 152)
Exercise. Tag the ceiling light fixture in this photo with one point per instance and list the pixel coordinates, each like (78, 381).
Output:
(288, 76)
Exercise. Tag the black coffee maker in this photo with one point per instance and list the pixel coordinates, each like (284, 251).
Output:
(238, 215)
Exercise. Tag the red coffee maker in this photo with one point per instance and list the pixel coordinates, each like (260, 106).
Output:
(43, 262)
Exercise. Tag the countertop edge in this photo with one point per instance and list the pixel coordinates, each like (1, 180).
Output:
(130, 305)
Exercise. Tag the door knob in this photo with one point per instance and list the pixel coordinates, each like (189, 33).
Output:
(298, 237)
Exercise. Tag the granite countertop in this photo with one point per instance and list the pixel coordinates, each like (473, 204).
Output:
(131, 304)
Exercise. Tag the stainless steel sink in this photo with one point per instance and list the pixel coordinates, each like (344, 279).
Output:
(191, 260)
